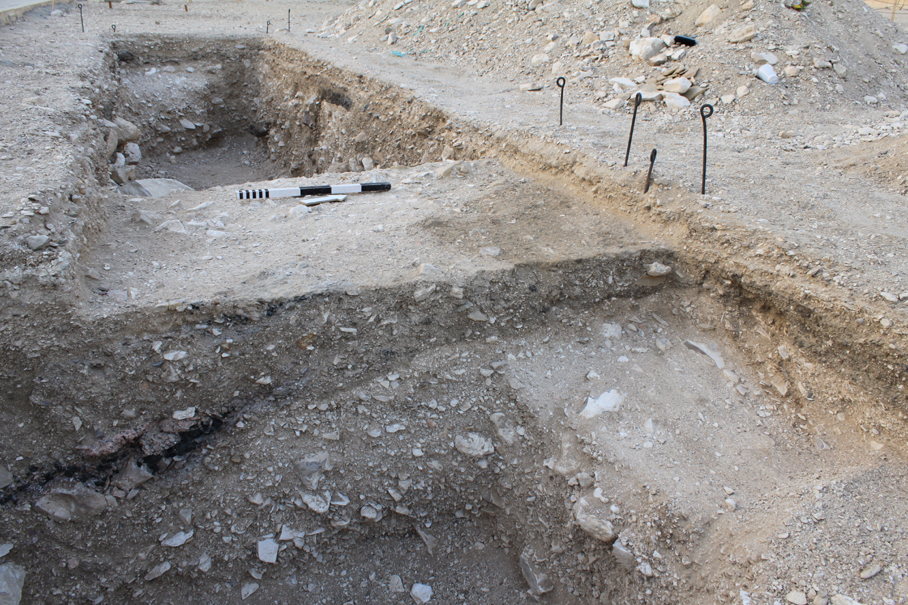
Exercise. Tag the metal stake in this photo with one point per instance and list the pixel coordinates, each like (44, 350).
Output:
(705, 112)
(113, 28)
(81, 20)
(638, 98)
(560, 82)
(652, 160)
(267, 25)
(288, 20)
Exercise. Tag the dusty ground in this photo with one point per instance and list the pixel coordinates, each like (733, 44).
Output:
(215, 400)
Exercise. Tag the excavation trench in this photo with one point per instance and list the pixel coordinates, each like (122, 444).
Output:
(474, 381)
(220, 112)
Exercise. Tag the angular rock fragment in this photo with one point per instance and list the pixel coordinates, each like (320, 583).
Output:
(74, 503)
(593, 519)
(473, 445)
(537, 579)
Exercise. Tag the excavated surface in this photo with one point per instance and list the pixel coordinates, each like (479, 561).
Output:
(175, 366)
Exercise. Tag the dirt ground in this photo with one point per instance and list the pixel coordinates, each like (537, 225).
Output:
(515, 376)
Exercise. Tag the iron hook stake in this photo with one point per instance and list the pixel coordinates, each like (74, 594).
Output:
(652, 160)
(705, 112)
(267, 25)
(288, 20)
(638, 98)
(81, 20)
(113, 28)
(560, 82)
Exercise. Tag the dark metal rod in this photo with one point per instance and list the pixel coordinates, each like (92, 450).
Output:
(560, 82)
(649, 175)
(267, 25)
(637, 99)
(81, 20)
(288, 20)
(705, 112)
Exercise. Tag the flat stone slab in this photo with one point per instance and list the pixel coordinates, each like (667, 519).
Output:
(153, 187)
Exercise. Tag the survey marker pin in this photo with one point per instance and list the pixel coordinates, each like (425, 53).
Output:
(705, 112)
(638, 98)
(81, 20)
(560, 82)
(267, 25)
(649, 175)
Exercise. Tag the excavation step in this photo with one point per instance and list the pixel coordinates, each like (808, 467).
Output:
(439, 223)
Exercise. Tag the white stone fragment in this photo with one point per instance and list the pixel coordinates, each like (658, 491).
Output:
(473, 445)
(267, 550)
(421, 593)
(608, 401)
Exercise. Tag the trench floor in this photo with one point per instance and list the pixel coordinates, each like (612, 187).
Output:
(443, 222)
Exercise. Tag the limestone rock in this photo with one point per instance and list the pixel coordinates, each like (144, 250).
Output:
(112, 141)
(153, 187)
(608, 401)
(75, 503)
(593, 519)
(127, 132)
(840, 599)
(624, 556)
(796, 597)
(133, 153)
(708, 16)
(267, 550)
(173, 225)
(421, 593)
(132, 476)
(590, 38)
(395, 584)
(693, 92)
(178, 539)
(646, 48)
(12, 577)
(640, 3)
(37, 242)
(657, 269)
(122, 174)
(6, 477)
(764, 57)
(473, 445)
(675, 102)
(537, 579)
(742, 34)
(654, 96)
(676, 85)
(623, 83)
